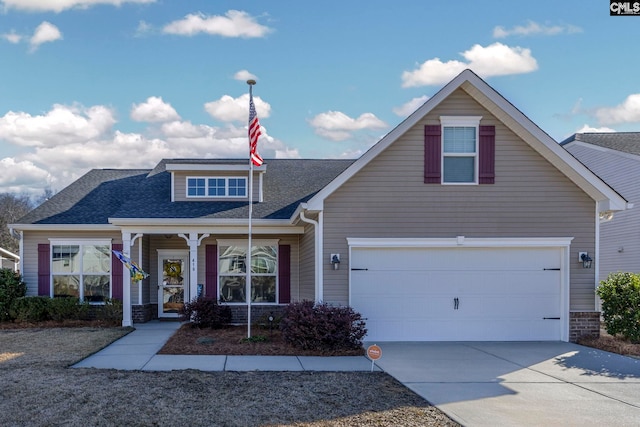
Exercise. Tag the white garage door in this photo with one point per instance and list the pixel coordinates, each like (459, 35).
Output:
(457, 294)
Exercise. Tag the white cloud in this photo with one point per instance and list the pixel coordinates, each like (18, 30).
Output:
(411, 106)
(586, 129)
(154, 110)
(62, 125)
(533, 28)
(44, 33)
(244, 75)
(494, 60)
(12, 37)
(61, 5)
(235, 23)
(64, 143)
(143, 29)
(627, 112)
(337, 126)
(229, 109)
(19, 176)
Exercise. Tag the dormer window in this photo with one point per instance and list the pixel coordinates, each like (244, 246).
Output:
(216, 187)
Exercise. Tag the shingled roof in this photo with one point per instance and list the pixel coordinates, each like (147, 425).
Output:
(627, 142)
(146, 193)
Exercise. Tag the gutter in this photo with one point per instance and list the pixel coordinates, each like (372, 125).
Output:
(317, 225)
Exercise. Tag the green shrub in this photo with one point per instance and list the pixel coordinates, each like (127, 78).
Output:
(11, 288)
(30, 309)
(312, 326)
(67, 308)
(620, 295)
(110, 312)
(206, 313)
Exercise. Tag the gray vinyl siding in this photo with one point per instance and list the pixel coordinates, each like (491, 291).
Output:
(530, 198)
(307, 264)
(31, 240)
(180, 185)
(619, 238)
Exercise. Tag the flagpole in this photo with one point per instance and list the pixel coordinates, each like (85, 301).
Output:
(248, 258)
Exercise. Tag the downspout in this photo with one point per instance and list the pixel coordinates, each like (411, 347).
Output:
(319, 288)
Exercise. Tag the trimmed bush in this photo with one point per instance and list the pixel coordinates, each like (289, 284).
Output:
(620, 295)
(110, 312)
(312, 326)
(67, 308)
(206, 313)
(11, 288)
(30, 309)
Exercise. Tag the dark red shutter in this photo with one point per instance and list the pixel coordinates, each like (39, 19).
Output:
(284, 273)
(432, 153)
(487, 173)
(116, 273)
(211, 271)
(44, 269)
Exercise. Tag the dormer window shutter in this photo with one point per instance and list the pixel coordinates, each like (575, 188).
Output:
(487, 160)
(432, 154)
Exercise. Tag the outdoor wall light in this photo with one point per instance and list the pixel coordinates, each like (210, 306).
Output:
(585, 259)
(335, 261)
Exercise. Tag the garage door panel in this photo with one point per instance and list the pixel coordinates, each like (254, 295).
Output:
(502, 294)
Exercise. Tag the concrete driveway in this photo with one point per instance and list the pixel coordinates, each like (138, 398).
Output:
(519, 383)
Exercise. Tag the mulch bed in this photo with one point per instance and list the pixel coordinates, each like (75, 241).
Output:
(233, 340)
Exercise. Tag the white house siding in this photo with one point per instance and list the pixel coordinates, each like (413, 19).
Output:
(619, 238)
(530, 198)
(31, 240)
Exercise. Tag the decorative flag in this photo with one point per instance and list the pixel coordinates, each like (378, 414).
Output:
(135, 271)
(254, 133)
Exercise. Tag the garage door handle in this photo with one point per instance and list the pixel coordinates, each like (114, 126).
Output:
(551, 269)
(359, 269)
(550, 318)
(456, 303)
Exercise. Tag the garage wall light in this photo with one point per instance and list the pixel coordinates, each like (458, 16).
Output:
(335, 261)
(585, 259)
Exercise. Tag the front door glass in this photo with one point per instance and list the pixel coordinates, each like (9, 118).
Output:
(172, 286)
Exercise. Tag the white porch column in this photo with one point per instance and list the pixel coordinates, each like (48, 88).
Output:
(126, 282)
(194, 241)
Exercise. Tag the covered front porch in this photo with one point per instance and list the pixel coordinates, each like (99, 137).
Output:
(183, 264)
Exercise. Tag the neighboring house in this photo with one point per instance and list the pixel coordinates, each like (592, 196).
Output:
(463, 223)
(614, 157)
(9, 260)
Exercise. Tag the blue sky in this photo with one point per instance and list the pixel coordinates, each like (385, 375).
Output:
(124, 83)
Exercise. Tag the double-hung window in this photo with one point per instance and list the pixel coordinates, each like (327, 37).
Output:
(232, 271)
(216, 187)
(460, 150)
(81, 269)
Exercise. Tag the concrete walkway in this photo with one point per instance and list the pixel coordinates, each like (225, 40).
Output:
(137, 351)
(519, 383)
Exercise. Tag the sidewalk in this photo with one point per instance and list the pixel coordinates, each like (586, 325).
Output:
(137, 351)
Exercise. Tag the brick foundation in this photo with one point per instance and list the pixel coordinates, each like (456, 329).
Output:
(239, 312)
(583, 323)
(144, 313)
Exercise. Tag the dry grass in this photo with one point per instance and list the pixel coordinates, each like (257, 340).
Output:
(37, 389)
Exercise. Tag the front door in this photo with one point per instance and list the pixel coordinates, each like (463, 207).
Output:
(173, 284)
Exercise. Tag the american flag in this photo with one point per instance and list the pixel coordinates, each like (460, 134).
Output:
(254, 133)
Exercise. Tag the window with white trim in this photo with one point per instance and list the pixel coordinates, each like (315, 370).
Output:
(216, 187)
(232, 272)
(81, 269)
(460, 149)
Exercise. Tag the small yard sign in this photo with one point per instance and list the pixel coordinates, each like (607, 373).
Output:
(374, 353)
